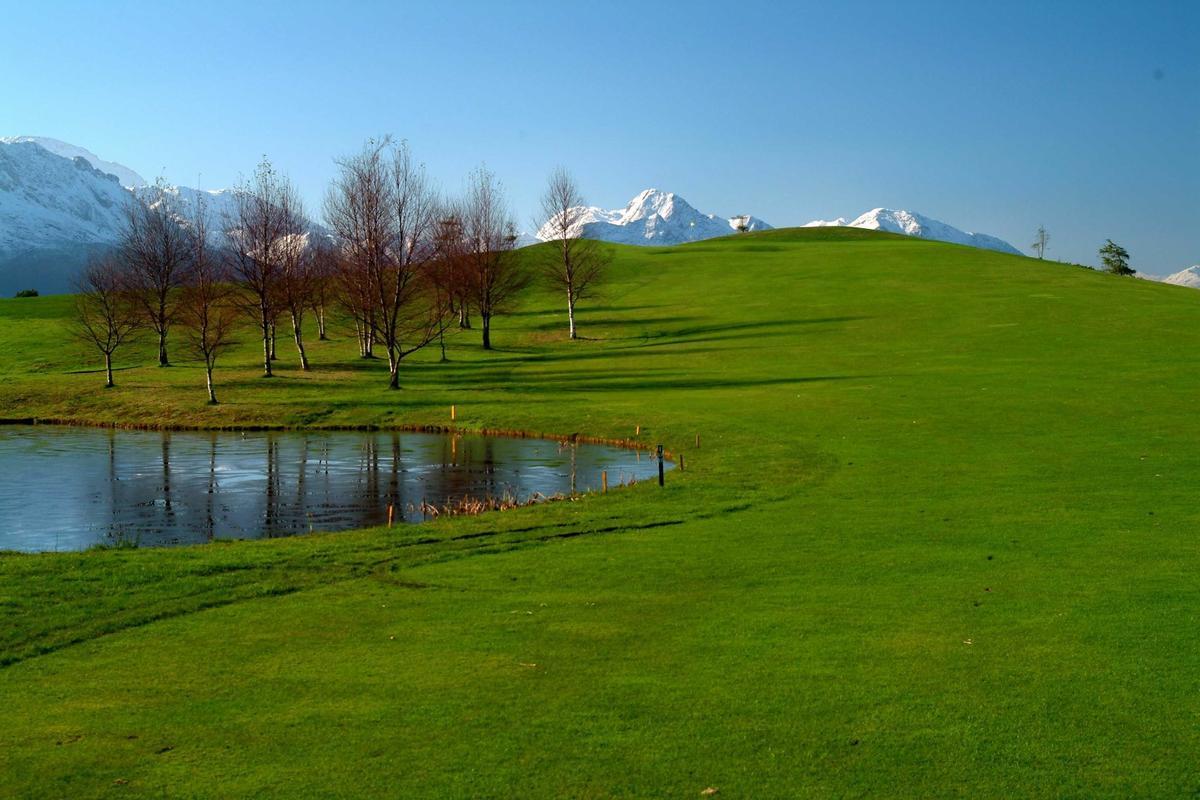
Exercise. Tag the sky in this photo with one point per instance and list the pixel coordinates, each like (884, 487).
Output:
(993, 117)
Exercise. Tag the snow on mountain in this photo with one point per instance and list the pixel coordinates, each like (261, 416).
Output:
(1185, 277)
(128, 178)
(220, 205)
(59, 204)
(912, 224)
(46, 199)
(653, 217)
(54, 212)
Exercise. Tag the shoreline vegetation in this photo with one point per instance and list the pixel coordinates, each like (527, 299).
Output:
(937, 538)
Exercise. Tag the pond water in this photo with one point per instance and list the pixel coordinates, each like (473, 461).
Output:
(67, 488)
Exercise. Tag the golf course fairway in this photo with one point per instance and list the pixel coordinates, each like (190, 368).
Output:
(939, 538)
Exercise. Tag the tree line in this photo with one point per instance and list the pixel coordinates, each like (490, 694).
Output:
(397, 262)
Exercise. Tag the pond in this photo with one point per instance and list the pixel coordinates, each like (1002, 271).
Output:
(69, 488)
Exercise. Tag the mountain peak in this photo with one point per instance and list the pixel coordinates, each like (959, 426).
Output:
(654, 217)
(128, 178)
(1185, 277)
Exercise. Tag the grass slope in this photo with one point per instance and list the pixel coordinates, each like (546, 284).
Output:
(939, 540)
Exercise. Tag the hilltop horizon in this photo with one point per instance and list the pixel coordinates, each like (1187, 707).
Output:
(829, 113)
(677, 220)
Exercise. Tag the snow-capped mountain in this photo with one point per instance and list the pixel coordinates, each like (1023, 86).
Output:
(654, 217)
(1185, 277)
(46, 199)
(912, 224)
(60, 203)
(128, 178)
(220, 205)
(54, 212)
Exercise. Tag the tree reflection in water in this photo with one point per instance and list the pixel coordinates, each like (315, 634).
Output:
(158, 488)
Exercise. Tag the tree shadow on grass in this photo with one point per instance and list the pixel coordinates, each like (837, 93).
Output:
(600, 322)
(734, 330)
(631, 380)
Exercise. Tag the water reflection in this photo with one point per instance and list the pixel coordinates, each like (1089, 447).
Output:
(69, 488)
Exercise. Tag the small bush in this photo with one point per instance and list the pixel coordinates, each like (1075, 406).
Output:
(27, 293)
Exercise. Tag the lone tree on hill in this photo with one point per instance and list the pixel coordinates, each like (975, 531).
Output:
(106, 312)
(1041, 241)
(576, 263)
(1115, 258)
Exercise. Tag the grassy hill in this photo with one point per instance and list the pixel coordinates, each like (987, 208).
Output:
(939, 539)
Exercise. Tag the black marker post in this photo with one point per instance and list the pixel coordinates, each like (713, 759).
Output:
(660, 465)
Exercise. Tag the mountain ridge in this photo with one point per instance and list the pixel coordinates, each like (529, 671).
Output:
(652, 217)
(911, 223)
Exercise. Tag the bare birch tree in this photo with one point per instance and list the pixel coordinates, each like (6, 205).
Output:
(296, 274)
(1041, 241)
(206, 308)
(493, 276)
(154, 248)
(448, 272)
(324, 281)
(107, 315)
(255, 232)
(383, 212)
(577, 263)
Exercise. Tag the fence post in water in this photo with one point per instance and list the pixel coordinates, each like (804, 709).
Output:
(604, 481)
(660, 465)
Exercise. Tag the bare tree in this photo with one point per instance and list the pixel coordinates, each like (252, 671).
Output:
(1041, 241)
(357, 211)
(409, 312)
(257, 232)
(577, 263)
(206, 309)
(383, 212)
(494, 277)
(106, 312)
(296, 273)
(448, 272)
(154, 247)
(324, 281)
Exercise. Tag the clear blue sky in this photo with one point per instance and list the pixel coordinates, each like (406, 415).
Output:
(994, 117)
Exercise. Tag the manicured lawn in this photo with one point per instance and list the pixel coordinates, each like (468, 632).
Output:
(939, 539)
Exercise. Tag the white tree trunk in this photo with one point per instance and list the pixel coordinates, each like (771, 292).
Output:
(571, 311)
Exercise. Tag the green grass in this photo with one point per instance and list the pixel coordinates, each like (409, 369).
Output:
(939, 540)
